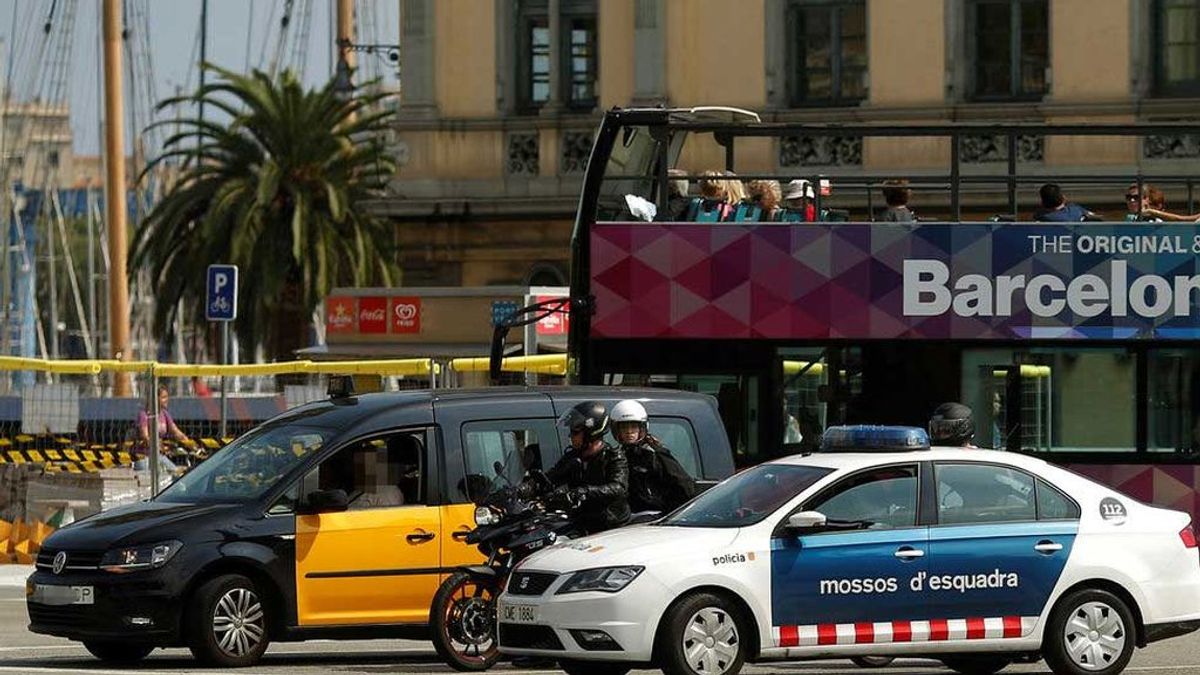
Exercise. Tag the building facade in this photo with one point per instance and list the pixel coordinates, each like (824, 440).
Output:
(501, 97)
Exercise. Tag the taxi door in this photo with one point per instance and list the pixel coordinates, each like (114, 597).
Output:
(840, 576)
(378, 561)
(1002, 541)
(488, 444)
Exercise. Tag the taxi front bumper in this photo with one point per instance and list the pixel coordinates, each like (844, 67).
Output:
(584, 626)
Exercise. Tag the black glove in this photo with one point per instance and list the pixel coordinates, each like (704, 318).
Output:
(566, 494)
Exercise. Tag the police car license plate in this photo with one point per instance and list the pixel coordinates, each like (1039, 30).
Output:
(518, 613)
(64, 595)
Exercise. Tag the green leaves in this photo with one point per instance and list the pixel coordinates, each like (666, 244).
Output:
(275, 181)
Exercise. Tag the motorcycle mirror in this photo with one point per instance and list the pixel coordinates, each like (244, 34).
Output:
(498, 468)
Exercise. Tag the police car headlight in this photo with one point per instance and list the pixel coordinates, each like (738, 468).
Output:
(604, 579)
(139, 557)
(485, 516)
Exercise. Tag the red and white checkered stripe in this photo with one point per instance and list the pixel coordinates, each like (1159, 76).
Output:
(934, 630)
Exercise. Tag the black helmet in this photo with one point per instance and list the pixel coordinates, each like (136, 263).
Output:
(590, 416)
(952, 424)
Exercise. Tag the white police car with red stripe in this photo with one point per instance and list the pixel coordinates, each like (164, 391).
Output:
(879, 545)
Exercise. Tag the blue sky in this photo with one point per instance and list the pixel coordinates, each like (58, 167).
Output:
(240, 32)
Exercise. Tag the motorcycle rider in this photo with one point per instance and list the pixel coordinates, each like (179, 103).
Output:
(591, 472)
(657, 481)
(953, 424)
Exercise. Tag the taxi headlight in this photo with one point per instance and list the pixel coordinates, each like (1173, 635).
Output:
(485, 516)
(139, 557)
(604, 579)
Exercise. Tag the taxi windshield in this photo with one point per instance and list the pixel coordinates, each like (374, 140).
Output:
(748, 497)
(249, 466)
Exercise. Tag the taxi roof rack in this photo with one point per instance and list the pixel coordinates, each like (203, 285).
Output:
(873, 438)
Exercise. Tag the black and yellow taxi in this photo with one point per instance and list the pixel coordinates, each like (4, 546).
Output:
(337, 519)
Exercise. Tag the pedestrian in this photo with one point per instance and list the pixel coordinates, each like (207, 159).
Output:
(896, 194)
(1056, 208)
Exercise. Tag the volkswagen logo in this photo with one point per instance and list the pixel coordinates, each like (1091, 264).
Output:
(60, 561)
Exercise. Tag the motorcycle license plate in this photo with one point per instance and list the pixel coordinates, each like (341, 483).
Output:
(518, 613)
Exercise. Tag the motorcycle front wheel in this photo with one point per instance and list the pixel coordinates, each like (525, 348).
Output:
(463, 619)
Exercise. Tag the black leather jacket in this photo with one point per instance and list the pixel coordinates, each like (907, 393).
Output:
(601, 484)
(657, 481)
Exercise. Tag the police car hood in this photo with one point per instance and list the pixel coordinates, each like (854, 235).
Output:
(636, 545)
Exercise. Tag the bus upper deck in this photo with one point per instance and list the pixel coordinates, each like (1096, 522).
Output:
(1073, 340)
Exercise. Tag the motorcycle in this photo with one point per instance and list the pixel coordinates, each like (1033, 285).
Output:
(508, 530)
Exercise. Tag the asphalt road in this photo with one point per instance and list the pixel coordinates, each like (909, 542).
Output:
(24, 652)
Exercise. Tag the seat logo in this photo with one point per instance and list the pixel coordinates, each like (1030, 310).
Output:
(524, 583)
(60, 561)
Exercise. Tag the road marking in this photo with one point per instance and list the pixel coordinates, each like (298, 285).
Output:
(39, 647)
(1195, 666)
(90, 671)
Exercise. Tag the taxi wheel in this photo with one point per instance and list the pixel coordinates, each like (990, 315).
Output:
(983, 664)
(593, 668)
(1090, 632)
(123, 653)
(227, 625)
(702, 635)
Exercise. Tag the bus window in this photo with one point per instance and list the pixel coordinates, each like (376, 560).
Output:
(1173, 401)
(1052, 400)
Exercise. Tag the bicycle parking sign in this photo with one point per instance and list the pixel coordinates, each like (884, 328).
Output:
(221, 302)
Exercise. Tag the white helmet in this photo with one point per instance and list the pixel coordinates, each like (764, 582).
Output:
(628, 411)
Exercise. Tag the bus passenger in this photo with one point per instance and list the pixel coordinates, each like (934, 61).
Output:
(1056, 208)
(767, 195)
(798, 202)
(897, 194)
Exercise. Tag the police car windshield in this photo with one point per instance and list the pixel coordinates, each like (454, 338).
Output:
(248, 467)
(748, 497)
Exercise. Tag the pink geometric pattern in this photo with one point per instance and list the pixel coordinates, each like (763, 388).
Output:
(1172, 486)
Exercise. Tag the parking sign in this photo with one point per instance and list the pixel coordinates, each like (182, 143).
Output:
(221, 303)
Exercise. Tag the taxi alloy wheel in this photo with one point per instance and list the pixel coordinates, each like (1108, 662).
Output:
(703, 636)
(228, 622)
(1091, 632)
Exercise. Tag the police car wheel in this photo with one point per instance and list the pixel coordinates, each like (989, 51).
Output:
(702, 635)
(872, 661)
(120, 653)
(1091, 632)
(593, 668)
(227, 623)
(983, 664)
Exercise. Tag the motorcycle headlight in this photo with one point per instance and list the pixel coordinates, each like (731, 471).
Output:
(136, 558)
(604, 579)
(485, 516)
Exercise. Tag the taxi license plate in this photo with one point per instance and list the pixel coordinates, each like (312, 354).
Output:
(518, 613)
(64, 595)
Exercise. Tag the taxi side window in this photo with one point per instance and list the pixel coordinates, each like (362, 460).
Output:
(678, 437)
(1052, 504)
(882, 498)
(499, 452)
(983, 493)
(378, 472)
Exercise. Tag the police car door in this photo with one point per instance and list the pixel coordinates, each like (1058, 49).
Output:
(995, 556)
(852, 580)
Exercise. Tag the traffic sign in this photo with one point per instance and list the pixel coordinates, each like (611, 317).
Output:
(221, 302)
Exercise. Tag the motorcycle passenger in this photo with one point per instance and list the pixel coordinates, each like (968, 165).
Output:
(591, 472)
(657, 481)
(953, 424)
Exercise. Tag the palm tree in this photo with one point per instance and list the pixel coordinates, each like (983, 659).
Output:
(279, 187)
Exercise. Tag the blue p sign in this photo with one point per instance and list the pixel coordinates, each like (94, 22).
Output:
(221, 302)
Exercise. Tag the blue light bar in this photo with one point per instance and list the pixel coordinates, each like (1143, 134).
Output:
(874, 438)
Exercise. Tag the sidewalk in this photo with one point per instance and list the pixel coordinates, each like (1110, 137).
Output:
(13, 576)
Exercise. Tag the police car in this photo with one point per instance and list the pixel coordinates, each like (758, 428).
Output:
(878, 545)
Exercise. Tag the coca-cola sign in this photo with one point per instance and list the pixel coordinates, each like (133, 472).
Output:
(340, 314)
(372, 315)
(405, 314)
